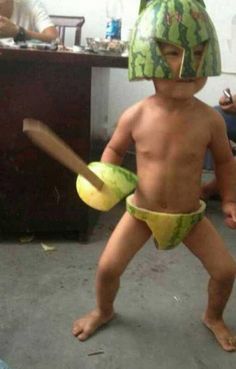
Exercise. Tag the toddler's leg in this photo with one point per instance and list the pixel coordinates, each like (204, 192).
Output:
(208, 246)
(128, 237)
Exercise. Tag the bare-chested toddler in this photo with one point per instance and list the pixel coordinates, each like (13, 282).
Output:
(171, 131)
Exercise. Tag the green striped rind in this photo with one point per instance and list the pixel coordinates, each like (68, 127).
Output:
(169, 230)
(202, 3)
(183, 225)
(144, 3)
(118, 183)
(118, 178)
(142, 6)
(184, 23)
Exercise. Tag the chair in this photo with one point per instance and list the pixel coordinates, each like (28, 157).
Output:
(62, 22)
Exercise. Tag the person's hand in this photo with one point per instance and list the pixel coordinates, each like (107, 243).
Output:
(229, 209)
(226, 106)
(7, 28)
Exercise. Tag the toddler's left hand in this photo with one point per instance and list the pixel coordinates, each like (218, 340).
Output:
(229, 210)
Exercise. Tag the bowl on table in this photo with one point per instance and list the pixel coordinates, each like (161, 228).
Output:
(105, 46)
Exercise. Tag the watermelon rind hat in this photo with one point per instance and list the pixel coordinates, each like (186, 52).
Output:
(183, 23)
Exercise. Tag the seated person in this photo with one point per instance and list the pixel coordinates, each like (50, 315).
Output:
(228, 112)
(24, 20)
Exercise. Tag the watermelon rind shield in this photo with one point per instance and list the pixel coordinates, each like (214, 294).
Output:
(118, 183)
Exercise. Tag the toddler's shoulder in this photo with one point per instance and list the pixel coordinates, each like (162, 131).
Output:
(209, 113)
(135, 111)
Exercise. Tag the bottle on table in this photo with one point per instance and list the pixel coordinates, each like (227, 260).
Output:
(114, 11)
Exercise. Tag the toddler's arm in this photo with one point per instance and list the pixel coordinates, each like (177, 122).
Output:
(121, 139)
(225, 168)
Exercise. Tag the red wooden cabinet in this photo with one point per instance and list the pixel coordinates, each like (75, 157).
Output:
(37, 194)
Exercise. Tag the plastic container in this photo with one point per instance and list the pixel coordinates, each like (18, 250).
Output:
(114, 11)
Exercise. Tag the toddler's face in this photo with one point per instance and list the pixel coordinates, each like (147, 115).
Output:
(174, 57)
(179, 87)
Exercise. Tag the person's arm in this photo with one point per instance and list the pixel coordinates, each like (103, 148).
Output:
(10, 29)
(226, 106)
(47, 35)
(121, 139)
(225, 169)
(225, 164)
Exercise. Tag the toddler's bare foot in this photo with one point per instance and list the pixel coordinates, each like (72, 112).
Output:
(88, 324)
(223, 335)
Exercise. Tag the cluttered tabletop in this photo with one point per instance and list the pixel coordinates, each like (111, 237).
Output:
(97, 52)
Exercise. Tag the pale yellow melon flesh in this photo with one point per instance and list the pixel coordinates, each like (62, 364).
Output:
(118, 183)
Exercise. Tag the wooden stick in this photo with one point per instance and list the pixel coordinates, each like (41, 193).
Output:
(48, 141)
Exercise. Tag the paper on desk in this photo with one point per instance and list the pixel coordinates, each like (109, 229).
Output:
(7, 42)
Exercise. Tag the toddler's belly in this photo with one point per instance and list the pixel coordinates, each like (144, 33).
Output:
(174, 198)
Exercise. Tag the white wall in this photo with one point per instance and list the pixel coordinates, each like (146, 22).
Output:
(109, 102)
(94, 12)
(105, 106)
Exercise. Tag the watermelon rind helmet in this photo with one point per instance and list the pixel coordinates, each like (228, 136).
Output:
(182, 23)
